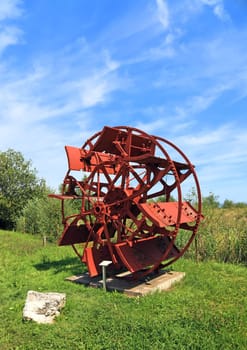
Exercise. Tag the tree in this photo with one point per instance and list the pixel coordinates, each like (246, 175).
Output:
(228, 204)
(18, 184)
(211, 201)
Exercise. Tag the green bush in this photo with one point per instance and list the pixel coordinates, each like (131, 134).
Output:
(41, 216)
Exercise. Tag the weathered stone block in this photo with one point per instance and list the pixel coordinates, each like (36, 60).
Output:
(43, 307)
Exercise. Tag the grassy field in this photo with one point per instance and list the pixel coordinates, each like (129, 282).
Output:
(207, 310)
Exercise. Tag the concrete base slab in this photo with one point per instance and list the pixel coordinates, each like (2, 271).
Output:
(124, 284)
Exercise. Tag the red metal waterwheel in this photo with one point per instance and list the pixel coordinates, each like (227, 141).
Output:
(129, 201)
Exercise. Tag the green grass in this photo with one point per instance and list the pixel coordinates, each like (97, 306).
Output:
(207, 310)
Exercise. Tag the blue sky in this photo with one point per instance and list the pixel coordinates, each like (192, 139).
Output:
(176, 69)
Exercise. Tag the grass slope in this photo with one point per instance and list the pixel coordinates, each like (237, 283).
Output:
(207, 310)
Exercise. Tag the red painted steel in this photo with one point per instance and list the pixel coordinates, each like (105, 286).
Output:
(165, 214)
(131, 199)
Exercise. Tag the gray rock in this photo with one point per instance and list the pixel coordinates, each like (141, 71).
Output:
(43, 307)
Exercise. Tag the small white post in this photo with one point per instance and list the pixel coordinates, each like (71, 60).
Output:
(44, 240)
(104, 265)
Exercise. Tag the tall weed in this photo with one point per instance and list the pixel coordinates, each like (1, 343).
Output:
(222, 236)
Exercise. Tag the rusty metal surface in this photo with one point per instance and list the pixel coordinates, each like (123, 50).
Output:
(132, 207)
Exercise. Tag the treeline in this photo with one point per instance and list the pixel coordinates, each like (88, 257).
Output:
(25, 207)
(24, 202)
(212, 201)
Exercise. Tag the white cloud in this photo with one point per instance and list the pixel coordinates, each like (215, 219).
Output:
(48, 106)
(220, 157)
(199, 103)
(111, 65)
(163, 13)
(41, 93)
(9, 36)
(96, 87)
(219, 154)
(152, 126)
(94, 90)
(218, 9)
(10, 9)
(199, 140)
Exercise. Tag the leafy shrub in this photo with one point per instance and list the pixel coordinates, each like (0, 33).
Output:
(41, 216)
